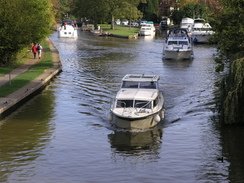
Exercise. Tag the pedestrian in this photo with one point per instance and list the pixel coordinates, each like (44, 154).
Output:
(39, 50)
(34, 50)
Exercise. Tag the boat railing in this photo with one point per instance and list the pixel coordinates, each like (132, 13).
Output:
(178, 36)
(143, 108)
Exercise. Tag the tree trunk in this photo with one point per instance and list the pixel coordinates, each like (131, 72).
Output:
(112, 21)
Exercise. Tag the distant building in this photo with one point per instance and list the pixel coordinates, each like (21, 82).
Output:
(164, 8)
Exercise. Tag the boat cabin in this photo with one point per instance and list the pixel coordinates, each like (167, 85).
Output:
(137, 99)
(138, 91)
(140, 81)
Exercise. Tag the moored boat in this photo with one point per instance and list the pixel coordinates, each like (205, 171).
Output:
(147, 30)
(139, 104)
(187, 23)
(178, 45)
(202, 31)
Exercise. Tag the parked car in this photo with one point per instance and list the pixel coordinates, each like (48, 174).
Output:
(117, 22)
(135, 24)
(124, 22)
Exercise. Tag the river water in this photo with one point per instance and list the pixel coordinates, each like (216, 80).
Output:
(63, 135)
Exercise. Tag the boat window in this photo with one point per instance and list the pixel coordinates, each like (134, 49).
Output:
(172, 42)
(124, 103)
(142, 104)
(155, 102)
(148, 85)
(183, 42)
(129, 84)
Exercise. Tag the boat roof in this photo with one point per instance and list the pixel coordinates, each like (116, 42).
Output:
(141, 78)
(137, 94)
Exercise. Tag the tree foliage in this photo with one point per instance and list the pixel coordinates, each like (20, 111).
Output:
(107, 10)
(230, 28)
(149, 9)
(191, 10)
(62, 9)
(22, 22)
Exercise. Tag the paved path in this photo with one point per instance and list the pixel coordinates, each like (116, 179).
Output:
(14, 99)
(19, 70)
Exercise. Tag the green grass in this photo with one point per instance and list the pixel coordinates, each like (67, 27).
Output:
(120, 30)
(22, 57)
(33, 72)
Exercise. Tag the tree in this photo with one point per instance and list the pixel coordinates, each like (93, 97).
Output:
(23, 22)
(149, 9)
(230, 28)
(108, 10)
(62, 9)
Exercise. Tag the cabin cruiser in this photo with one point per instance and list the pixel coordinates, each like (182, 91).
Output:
(68, 29)
(187, 23)
(178, 45)
(165, 23)
(202, 31)
(147, 30)
(138, 104)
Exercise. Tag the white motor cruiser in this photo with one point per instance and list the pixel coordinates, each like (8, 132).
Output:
(138, 104)
(202, 31)
(178, 45)
(67, 30)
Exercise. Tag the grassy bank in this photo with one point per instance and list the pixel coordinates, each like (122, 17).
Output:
(24, 78)
(120, 30)
(21, 58)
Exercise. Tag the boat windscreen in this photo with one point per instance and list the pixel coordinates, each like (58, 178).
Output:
(142, 104)
(151, 85)
(129, 84)
(172, 42)
(124, 103)
(183, 42)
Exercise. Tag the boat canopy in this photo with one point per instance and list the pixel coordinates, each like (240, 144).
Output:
(174, 30)
(140, 81)
(140, 77)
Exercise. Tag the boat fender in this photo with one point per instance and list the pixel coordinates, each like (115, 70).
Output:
(195, 40)
(162, 114)
(157, 118)
(109, 117)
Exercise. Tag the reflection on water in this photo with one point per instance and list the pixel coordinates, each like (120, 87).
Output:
(141, 143)
(233, 151)
(22, 139)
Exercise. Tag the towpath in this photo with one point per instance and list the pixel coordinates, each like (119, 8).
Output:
(11, 101)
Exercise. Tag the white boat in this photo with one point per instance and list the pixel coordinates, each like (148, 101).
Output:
(165, 23)
(67, 30)
(202, 31)
(178, 45)
(187, 23)
(139, 104)
(147, 30)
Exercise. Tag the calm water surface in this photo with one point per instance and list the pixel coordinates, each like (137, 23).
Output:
(63, 135)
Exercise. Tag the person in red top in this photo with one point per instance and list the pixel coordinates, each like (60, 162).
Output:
(34, 50)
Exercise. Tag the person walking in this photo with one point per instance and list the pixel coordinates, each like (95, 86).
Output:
(34, 50)
(39, 50)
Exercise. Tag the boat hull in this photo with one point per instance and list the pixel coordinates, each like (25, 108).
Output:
(146, 33)
(178, 54)
(138, 123)
(200, 37)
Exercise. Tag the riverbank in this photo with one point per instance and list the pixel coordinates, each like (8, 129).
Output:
(11, 102)
(118, 31)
